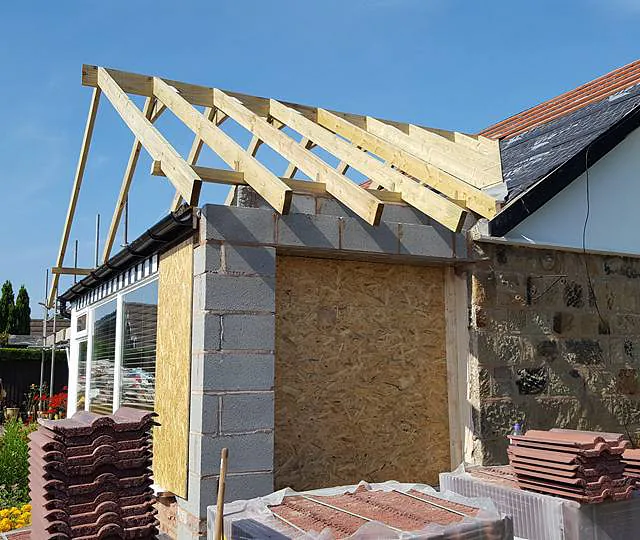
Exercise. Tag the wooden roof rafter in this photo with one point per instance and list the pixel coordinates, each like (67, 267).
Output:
(439, 173)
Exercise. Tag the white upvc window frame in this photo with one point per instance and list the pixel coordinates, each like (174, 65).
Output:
(87, 334)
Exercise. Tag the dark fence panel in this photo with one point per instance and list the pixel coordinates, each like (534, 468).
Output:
(20, 370)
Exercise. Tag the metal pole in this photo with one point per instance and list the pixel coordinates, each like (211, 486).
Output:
(97, 239)
(44, 333)
(53, 350)
(75, 262)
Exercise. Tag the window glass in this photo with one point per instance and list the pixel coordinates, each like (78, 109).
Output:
(103, 359)
(139, 320)
(82, 374)
(81, 324)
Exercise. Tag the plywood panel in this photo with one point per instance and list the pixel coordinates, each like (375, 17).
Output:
(171, 439)
(361, 374)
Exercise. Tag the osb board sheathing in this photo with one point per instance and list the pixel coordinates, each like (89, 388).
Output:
(173, 360)
(361, 374)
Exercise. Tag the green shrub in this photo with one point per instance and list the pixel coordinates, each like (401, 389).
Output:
(14, 463)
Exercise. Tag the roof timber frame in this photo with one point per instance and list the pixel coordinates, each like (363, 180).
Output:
(438, 172)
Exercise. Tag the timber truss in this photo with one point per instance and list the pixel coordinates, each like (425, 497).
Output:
(443, 174)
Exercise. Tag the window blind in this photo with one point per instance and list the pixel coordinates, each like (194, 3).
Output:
(138, 375)
(82, 374)
(103, 359)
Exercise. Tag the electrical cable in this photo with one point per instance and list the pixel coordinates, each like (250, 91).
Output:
(592, 293)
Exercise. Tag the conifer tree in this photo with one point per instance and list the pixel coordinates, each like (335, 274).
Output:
(6, 306)
(21, 314)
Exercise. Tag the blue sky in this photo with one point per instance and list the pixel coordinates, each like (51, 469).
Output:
(453, 64)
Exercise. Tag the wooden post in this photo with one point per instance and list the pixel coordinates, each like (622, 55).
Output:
(218, 533)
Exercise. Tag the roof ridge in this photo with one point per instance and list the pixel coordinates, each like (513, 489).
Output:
(590, 92)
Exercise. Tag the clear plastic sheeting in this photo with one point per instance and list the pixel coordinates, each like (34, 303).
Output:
(543, 517)
(488, 524)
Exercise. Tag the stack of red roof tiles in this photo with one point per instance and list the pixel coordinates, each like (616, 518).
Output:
(581, 465)
(631, 460)
(90, 477)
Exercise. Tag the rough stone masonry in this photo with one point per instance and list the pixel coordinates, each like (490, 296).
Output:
(554, 342)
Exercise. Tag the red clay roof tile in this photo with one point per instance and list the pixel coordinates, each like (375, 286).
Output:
(591, 92)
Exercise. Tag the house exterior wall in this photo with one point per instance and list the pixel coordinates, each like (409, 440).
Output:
(360, 373)
(542, 354)
(613, 218)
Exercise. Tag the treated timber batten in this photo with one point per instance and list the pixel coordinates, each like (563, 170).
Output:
(357, 199)
(235, 178)
(148, 111)
(71, 271)
(434, 177)
(77, 182)
(271, 188)
(439, 208)
(178, 171)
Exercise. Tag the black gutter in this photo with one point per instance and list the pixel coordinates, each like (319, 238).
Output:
(169, 231)
(547, 188)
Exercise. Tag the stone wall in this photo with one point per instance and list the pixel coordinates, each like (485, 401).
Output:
(548, 349)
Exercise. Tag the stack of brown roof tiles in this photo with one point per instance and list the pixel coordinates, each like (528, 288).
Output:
(344, 514)
(584, 466)
(90, 477)
(631, 461)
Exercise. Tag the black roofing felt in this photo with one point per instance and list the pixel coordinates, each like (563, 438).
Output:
(552, 152)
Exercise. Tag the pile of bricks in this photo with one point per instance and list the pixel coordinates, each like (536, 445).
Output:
(583, 466)
(90, 477)
(631, 460)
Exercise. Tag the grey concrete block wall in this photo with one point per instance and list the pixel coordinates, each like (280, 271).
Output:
(232, 363)
(232, 371)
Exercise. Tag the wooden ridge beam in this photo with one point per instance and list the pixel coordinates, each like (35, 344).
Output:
(59, 270)
(77, 182)
(142, 85)
(439, 208)
(234, 178)
(368, 207)
(268, 186)
(434, 177)
(151, 112)
(456, 159)
(178, 171)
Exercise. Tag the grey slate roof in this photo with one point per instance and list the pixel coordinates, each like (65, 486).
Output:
(530, 156)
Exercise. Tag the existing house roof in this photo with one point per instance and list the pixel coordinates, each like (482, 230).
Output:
(616, 81)
(547, 147)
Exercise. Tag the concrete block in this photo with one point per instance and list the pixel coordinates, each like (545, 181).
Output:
(206, 332)
(303, 204)
(425, 241)
(234, 371)
(251, 332)
(202, 492)
(250, 452)
(247, 412)
(303, 230)
(206, 258)
(397, 213)
(237, 293)
(237, 224)
(249, 260)
(331, 207)
(205, 414)
(356, 235)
